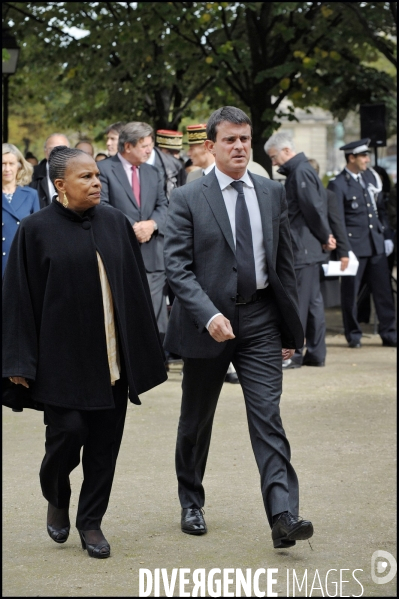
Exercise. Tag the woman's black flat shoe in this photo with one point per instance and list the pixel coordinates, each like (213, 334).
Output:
(58, 533)
(101, 550)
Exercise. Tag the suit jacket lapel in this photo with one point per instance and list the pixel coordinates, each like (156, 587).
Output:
(19, 197)
(265, 208)
(214, 197)
(120, 174)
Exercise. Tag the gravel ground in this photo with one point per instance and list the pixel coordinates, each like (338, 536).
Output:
(341, 423)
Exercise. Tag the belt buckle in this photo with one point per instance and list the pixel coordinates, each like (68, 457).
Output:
(240, 303)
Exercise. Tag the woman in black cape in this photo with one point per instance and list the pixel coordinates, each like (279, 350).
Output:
(79, 332)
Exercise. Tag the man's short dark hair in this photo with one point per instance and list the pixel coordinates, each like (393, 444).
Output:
(115, 127)
(231, 114)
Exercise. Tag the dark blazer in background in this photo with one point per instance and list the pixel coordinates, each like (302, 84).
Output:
(307, 210)
(39, 182)
(202, 269)
(24, 202)
(337, 226)
(117, 191)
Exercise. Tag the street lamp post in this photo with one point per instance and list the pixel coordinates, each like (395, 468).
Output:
(9, 67)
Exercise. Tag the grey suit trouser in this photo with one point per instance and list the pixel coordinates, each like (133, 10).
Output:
(256, 355)
(159, 290)
(311, 313)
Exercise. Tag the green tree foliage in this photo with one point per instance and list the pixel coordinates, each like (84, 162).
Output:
(98, 62)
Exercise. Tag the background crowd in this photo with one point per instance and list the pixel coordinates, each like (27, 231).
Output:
(357, 212)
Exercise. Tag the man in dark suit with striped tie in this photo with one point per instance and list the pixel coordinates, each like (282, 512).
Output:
(229, 262)
(137, 189)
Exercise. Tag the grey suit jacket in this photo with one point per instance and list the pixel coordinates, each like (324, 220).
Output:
(201, 264)
(117, 191)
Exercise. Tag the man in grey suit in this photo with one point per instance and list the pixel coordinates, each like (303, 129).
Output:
(229, 262)
(137, 189)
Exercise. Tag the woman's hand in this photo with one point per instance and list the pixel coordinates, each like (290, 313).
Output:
(19, 380)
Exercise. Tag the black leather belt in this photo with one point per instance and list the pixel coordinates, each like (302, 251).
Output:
(260, 294)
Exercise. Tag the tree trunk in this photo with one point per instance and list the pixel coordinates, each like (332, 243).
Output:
(261, 129)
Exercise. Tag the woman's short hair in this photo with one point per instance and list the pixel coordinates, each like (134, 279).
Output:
(132, 133)
(25, 171)
(231, 114)
(58, 161)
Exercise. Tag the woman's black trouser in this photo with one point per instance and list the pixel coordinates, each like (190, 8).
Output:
(99, 432)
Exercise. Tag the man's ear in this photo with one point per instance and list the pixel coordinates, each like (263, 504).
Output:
(210, 146)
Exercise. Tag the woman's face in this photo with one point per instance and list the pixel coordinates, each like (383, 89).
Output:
(80, 184)
(10, 168)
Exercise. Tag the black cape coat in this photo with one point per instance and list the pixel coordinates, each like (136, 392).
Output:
(53, 318)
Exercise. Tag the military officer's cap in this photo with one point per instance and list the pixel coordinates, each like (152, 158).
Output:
(357, 147)
(196, 134)
(170, 140)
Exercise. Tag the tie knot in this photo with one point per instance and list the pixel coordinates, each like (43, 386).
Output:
(238, 186)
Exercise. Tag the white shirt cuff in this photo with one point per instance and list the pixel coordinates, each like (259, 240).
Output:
(210, 320)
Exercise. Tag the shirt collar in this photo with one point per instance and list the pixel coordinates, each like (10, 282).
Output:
(208, 169)
(125, 162)
(224, 180)
(151, 159)
(354, 175)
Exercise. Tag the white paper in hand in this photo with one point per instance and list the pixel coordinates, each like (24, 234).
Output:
(333, 268)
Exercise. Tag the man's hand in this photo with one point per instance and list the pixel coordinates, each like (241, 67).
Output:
(331, 244)
(144, 230)
(19, 380)
(220, 329)
(287, 353)
(344, 263)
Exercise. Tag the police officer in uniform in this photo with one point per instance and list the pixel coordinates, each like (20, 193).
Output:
(356, 188)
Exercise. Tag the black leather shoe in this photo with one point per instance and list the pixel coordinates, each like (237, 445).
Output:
(389, 343)
(99, 550)
(313, 363)
(289, 528)
(58, 525)
(354, 344)
(192, 521)
(231, 377)
(287, 364)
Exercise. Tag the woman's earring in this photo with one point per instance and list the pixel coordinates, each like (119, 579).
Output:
(65, 201)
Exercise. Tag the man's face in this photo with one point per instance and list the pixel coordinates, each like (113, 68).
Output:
(232, 148)
(361, 161)
(85, 147)
(53, 142)
(198, 154)
(139, 153)
(280, 157)
(112, 142)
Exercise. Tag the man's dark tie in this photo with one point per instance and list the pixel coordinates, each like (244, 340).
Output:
(246, 277)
